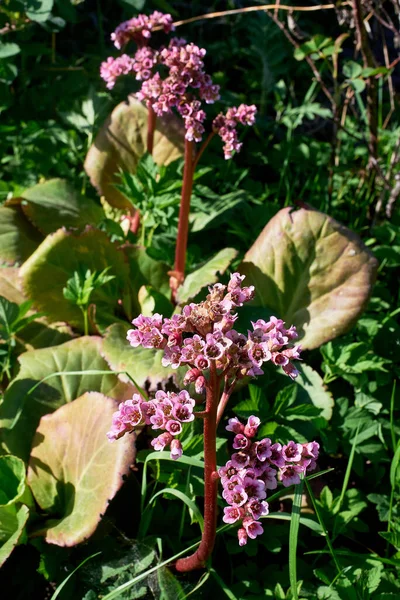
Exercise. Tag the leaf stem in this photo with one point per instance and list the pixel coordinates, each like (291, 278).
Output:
(84, 310)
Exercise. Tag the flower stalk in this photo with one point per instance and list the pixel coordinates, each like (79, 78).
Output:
(198, 558)
(183, 226)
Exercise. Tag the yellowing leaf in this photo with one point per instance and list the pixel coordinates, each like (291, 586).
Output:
(74, 471)
(311, 271)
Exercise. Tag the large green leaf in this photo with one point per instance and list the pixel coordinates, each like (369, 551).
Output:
(55, 203)
(12, 525)
(122, 141)
(312, 272)
(312, 388)
(12, 477)
(206, 275)
(46, 272)
(18, 238)
(74, 471)
(142, 364)
(81, 354)
(145, 271)
(13, 512)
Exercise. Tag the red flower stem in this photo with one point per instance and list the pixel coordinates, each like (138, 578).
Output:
(178, 274)
(151, 125)
(198, 558)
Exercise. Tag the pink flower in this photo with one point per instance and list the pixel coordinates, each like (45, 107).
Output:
(161, 441)
(112, 68)
(173, 427)
(176, 449)
(257, 508)
(242, 536)
(235, 425)
(252, 425)
(237, 497)
(263, 449)
(231, 514)
(241, 442)
(139, 28)
(292, 452)
(253, 528)
(290, 475)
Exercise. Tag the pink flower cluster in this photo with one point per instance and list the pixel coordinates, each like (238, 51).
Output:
(167, 411)
(112, 68)
(140, 28)
(186, 79)
(185, 86)
(225, 126)
(203, 333)
(252, 470)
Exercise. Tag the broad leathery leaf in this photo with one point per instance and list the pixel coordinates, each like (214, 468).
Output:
(15, 529)
(55, 203)
(312, 272)
(12, 477)
(142, 364)
(74, 471)
(40, 334)
(38, 10)
(58, 257)
(206, 275)
(313, 388)
(10, 284)
(122, 141)
(81, 354)
(18, 238)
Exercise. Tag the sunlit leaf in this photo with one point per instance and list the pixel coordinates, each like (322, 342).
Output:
(311, 271)
(18, 238)
(74, 471)
(82, 354)
(55, 203)
(142, 364)
(122, 141)
(56, 260)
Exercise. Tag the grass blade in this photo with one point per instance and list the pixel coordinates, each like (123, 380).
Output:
(61, 586)
(223, 586)
(321, 522)
(293, 536)
(184, 460)
(178, 494)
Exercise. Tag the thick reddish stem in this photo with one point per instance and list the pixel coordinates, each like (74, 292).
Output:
(178, 274)
(199, 557)
(151, 125)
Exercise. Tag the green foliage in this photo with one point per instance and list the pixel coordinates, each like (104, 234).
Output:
(64, 252)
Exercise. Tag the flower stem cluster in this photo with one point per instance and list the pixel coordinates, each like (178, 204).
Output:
(167, 411)
(184, 84)
(226, 126)
(139, 29)
(203, 334)
(253, 469)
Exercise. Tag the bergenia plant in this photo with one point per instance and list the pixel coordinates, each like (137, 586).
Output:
(203, 339)
(174, 80)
